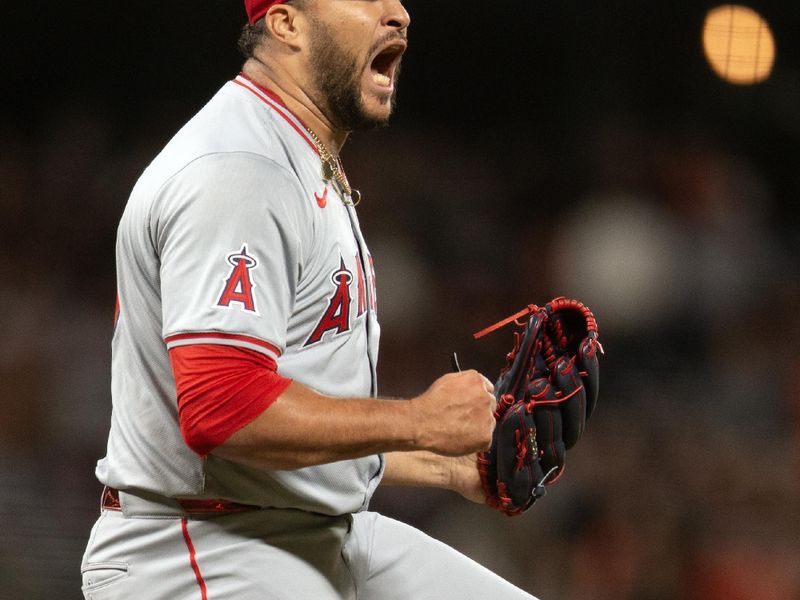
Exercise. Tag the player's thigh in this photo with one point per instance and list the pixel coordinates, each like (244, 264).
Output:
(246, 557)
(274, 555)
(394, 561)
(125, 556)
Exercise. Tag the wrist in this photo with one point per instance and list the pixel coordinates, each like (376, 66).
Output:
(456, 473)
(465, 479)
(413, 426)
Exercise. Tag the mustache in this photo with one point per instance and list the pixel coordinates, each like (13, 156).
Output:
(389, 37)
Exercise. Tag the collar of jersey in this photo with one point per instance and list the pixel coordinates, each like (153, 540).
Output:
(275, 102)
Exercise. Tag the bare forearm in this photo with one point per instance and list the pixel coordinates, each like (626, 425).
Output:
(420, 468)
(303, 428)
(428, 469)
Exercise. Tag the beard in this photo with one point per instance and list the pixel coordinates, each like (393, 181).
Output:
(337, 79)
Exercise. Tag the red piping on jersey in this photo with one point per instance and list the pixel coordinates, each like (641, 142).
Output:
(266, 90)
(193, 559)
(273, 100)
(217, 335)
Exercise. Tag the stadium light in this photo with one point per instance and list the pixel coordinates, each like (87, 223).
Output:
(738, 44)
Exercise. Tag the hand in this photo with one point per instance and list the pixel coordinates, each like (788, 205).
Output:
(455, 416)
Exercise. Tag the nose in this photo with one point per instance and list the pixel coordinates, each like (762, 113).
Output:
(396, 16)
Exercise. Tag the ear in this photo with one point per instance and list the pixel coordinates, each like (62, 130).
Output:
(282, 22)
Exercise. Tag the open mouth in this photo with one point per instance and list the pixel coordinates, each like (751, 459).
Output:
(384, 65)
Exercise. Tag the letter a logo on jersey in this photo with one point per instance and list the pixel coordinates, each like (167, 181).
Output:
(337, 315)
(238, 285)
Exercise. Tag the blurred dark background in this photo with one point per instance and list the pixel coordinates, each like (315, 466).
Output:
(539, 148)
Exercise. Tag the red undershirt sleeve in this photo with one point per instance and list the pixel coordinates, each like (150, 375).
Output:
(220, 390)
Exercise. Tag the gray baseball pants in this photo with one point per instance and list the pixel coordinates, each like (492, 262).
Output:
(276, 554)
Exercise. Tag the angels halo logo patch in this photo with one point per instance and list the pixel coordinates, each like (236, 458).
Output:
(239, 287)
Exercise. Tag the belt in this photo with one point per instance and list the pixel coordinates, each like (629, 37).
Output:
(191, 506)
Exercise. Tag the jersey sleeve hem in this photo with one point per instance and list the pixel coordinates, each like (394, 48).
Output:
(223, 339)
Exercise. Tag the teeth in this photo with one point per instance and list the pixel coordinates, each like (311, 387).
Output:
(381, 79)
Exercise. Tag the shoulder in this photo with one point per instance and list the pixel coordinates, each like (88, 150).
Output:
(223, 196)
(238, 120)
(241, 155)
(239, 176)
(241, 183)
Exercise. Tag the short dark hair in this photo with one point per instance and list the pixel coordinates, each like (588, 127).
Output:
(252, 35)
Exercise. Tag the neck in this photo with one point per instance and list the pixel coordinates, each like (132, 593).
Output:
(297, 100)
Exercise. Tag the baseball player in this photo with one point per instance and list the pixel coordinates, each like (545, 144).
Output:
(246, 439)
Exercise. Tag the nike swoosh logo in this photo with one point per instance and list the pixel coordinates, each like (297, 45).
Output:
(322, 201)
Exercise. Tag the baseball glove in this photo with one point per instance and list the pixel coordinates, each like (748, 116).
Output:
(545, 394)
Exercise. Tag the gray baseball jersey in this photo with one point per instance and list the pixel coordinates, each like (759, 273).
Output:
(232, 237)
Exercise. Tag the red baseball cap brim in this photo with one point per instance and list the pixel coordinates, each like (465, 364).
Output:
(258, 8)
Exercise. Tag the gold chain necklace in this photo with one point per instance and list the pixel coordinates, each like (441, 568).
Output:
(332, 169)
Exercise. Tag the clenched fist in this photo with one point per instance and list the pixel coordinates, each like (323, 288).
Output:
(455, 416)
